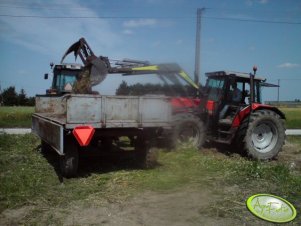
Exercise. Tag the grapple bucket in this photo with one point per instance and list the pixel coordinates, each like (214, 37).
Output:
(97, 66)
(98, 71)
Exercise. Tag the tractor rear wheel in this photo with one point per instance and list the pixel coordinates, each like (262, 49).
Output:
(188, 128)
(264, 134)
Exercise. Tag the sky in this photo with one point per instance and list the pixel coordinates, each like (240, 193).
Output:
(235, 35)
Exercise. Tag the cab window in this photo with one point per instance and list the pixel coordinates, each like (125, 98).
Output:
(63, 78)
(215, 88)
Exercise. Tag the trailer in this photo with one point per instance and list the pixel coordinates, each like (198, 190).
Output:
(71, 122)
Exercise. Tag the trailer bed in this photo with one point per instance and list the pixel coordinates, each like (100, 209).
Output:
(56, 116)
(104, 111)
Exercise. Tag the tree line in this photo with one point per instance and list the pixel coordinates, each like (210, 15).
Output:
(10, 97)
(142, 89)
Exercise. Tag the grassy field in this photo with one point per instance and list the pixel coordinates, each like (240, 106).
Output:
(15, 117)
(21, 117)
(293, 117)
(29, 180)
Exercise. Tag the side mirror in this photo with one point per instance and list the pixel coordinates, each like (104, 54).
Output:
(45, 76)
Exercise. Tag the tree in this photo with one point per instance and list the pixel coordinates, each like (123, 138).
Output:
(22, 99)
(10, 96)
(123, 89)
(31, 101)
(166, 89)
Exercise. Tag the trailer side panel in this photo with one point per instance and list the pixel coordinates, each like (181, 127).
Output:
(50, 132)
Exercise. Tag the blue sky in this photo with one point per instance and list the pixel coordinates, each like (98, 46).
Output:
(235, 35)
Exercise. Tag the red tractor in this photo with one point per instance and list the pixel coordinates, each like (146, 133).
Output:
(231, 112)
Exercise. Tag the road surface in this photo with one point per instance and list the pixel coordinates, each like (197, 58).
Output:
(28, 130)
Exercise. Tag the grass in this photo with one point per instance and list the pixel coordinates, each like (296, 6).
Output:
(293, 117)
(21, 117)
(28, 178)
(295, 140)
(15, 117)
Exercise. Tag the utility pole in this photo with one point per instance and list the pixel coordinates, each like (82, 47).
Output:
(278, 89)
(198, 46)
(1, 98)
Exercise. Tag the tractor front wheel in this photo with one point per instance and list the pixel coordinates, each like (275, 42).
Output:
(188, 128)
(265, 135)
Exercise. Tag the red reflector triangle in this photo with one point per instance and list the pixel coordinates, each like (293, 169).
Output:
(83, 134)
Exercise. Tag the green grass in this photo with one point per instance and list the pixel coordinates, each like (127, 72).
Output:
(21, 117)
(15, 116)
(28, 178)
(293, 117)
(295, 140)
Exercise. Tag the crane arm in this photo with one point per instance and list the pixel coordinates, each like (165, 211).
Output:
(169, 70)
(97, 68)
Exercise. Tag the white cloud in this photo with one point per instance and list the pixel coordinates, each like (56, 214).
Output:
(156, 44)
(251, 48)
(128, 32)
(263, 1)
(179, 42)
(288, 65)
(252, 2)
(139, 23)
(53, 36)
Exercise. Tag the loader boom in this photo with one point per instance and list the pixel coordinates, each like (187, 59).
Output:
(96, 68)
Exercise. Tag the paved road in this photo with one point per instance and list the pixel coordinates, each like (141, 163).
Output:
(27, 130)
(15, 130)
(293, 132)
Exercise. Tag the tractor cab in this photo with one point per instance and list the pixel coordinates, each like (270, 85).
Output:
(232, 89)
(64, 77)
(229, 99)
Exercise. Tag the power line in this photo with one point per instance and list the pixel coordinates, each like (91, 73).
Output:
(286, 79)
(156, 17)
(41, 7)
(253, 20)
(47, 6)
(90, 17)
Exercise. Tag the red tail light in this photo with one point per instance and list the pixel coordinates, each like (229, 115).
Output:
(210, 107)
(83, 134)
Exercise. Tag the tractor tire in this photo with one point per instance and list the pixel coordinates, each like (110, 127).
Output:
(263, 135)
(69, 161)
(188, 128)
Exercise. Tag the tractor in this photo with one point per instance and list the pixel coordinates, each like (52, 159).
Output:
(244, 122)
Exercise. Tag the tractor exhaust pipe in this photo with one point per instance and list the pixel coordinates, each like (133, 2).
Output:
(252, 88)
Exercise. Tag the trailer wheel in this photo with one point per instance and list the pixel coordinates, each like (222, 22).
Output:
(146, 155)
(45, 147)
(264, 135)
(69, 161)
(188, 128)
